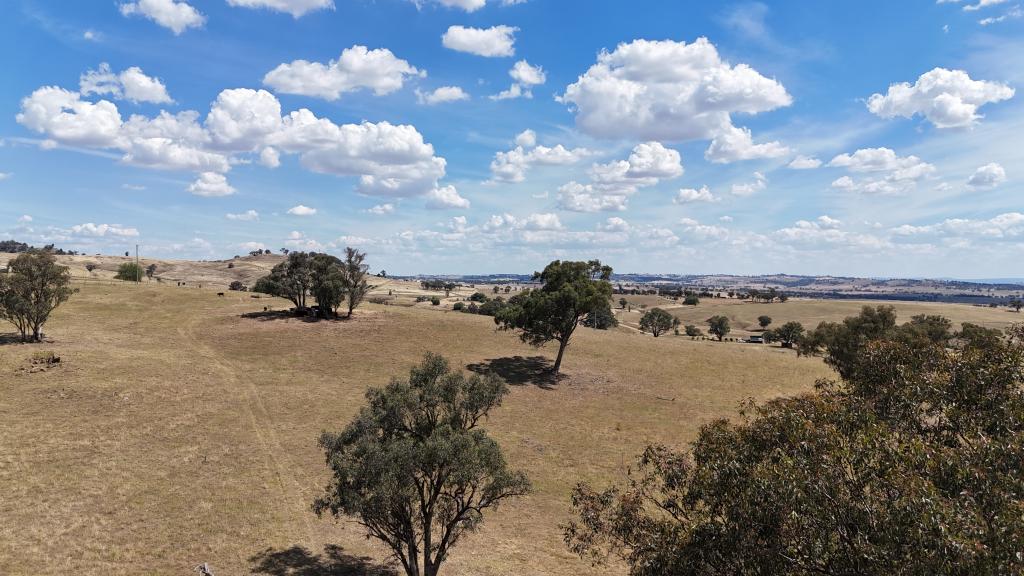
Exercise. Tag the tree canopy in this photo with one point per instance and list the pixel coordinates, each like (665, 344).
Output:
(910, 464)
(129, 271)
(657, 322)
(32, 288)
(414, 467)
(570, 291)
(718, 326)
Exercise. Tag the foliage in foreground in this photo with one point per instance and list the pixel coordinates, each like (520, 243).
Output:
(414, 467)
(32, 288)
(570, 292)
(911, 464)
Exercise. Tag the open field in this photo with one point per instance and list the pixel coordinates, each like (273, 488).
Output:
(176, 431)
(743, 314)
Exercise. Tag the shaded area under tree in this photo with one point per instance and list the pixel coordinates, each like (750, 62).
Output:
(520, 370)
(299, 561)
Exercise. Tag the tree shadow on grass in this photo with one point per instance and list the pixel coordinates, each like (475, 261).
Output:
(15, 338)
(520, 370)
(298, 561)
(271, 315)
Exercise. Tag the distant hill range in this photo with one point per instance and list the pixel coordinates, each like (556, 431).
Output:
(914, 289)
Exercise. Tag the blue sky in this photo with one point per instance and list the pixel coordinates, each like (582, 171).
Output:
(478, 136)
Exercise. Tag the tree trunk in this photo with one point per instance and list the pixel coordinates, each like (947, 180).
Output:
(561, 350)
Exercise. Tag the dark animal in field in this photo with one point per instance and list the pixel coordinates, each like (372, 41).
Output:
(220, 293)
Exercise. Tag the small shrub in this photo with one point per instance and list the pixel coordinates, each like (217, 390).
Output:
(435, 301)
(237, 286)
(458, 306)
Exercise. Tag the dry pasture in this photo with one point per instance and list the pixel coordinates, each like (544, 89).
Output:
(176, 431)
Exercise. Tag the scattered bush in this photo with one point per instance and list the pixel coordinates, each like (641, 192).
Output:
(237, 286)
(458, 306)
(435, 301)
(129, 272)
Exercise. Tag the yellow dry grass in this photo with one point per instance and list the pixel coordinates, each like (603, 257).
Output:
(175, 431)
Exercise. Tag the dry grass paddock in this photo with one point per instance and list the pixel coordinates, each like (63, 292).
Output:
(175, 431)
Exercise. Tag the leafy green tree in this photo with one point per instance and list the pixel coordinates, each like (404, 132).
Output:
(266, 285)
(657, 322)
(622, 303)
(1016, 304)
(718, 326)
(353, 275)
(32, 288)
(150, 271)
(691, 300)
(326, 283)
(570, 291)
(291, 279)
(789, 333)
(236, 285)
(414, 467)
(491, 307)
(769, 336)
(601, 319)
(129, 271)
(764, 321)
(909, 465)
(479, 297)
(842, 342)
(692, 331)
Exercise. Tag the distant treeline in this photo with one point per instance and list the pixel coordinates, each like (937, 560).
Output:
(13, 246)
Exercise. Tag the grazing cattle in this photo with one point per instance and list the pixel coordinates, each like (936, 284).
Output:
(220, 293)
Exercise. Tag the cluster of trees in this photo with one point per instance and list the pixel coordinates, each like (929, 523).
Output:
(438, 286)
(265, 251)
(15, 247)
(479, 303)
(569, 293)
(33, 286)
(908, 464)
(329, 280)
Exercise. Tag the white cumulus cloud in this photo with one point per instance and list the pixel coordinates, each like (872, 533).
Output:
(247, 216)
(496, 41)
(211, 184)
(296, 8)
(988, 176)
(441, 95)
(357, 68)
(131, 84)
(175, 15)
(301, 210)
(667, 90)
(947, 98)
